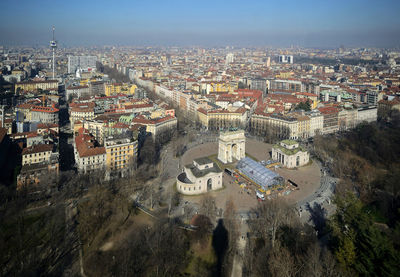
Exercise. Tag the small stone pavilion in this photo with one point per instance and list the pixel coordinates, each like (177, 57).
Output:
(290, 154)
(201, 176)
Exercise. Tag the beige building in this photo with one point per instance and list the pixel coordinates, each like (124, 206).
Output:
(39, 165)
(80, 113)
(201, 176)
(37, 85)
(387, 107)
(290, 154)
(35, 154)
(157, 126)
(95, 128)
(222, 118)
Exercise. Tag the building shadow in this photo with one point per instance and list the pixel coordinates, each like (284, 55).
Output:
(318, 217)
(220, 245)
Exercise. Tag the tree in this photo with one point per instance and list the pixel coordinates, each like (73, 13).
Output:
(203, 229)
(208, 207)
(359, 246)
(268, 217)
(148, 153)
(278, 257)
(306, 106)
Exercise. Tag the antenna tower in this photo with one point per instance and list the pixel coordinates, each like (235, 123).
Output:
(53, 45)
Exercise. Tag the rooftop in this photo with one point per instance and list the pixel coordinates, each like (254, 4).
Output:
(289, 142)
(289, 152)
(200, 173)
(258, 173)
(203, 160)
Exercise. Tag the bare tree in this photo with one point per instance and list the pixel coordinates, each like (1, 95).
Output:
(281, 263)
(269, 216)
(313, 266)
(208, 207)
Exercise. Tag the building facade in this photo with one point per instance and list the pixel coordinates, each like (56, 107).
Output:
(290, 154)
(121, 153)
(201, 176)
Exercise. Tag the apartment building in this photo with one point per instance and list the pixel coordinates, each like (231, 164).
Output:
(47, 115)
(121, 153)
(112, 89)
(331, 121)
(157, 126)
(367, 114)
(77, 91)
(35, 154)
(89, 157)
(222, 118)
(36, 85)
(80, 112)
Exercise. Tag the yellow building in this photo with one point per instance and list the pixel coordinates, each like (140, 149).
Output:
(121, 153)
(219, 87)
(84, 82)
(128, 89)
(303, 126)
(157, 113)
(284, 75)
(37, 85)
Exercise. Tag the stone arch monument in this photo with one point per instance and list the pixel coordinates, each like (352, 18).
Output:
(231, 145)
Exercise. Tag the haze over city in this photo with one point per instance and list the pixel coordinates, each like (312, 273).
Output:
(354, 23)
(200, 138)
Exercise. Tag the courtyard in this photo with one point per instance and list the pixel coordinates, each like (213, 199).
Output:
(307, 178)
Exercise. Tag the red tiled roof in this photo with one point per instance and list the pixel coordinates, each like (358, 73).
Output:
(25, 106)
(47, 125)
(44, 109)
(328, 110)
(201, 110)
(85, 146)
(37, 149)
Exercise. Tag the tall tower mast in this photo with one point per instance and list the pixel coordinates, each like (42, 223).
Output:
(53, 45)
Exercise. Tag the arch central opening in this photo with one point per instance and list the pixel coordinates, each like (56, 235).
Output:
(209, 184)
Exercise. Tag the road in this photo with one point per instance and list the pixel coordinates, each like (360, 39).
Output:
(237, 265)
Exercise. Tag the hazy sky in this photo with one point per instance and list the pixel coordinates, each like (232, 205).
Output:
(320, 23)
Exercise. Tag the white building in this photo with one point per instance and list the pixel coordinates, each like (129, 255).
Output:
(230, 58)
(199, 177)
(84, 62)
(285, 59)
(290, 154)
(88, 156)
(316, 123)
(77, 91)
(368, 114)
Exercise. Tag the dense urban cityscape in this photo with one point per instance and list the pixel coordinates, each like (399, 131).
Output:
(182, 160)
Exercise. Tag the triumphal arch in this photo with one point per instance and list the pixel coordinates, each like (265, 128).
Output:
(231, 145)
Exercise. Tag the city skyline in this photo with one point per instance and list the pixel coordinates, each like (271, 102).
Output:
(252, 23)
